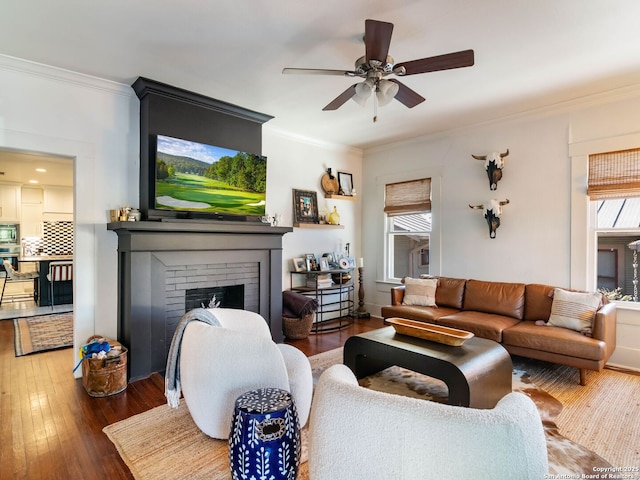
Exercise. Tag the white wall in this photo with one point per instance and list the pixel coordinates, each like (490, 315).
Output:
(533, 243)
(299, 163)
(96, 123)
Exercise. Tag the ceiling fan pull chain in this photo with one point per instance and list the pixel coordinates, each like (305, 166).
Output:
(375, 107)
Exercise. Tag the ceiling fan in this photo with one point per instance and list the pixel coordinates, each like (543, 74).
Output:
(377, 64)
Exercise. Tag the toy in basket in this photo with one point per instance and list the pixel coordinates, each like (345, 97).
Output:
(104, 366)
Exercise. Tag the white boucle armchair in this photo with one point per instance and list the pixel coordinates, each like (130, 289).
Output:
(357, 433)
(220, 363)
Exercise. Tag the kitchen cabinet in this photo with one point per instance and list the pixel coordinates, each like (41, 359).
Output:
(58, 204)
(9, 202)
(31, 220)
(31, 212)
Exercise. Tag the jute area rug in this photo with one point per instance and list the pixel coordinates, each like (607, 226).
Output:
(41, 333)
(165, 443)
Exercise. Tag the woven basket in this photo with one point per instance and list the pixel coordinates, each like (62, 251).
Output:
(107, 376)
(298, 328)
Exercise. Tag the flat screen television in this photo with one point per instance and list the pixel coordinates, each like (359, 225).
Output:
(195, 180)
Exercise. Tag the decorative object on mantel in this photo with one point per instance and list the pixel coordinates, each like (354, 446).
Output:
(330, 183)
(334, 217)
(274, 220)
(125, 214)
(492, 212)
(493, 164)
(305, 207)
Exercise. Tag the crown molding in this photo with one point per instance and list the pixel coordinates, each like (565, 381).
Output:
(64, 76)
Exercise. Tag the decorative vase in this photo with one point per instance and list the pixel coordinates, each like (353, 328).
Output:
(334, 217)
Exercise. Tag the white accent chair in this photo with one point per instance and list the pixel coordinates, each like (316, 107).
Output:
(218, 364)
(355, 432)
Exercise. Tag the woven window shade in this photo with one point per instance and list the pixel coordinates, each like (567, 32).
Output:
(404, 198)
(614, 174)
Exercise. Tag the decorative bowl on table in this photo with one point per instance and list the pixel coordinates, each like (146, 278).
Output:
(340, 278)
(428, 331)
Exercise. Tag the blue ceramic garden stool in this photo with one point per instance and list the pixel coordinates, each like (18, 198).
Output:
(264, 443)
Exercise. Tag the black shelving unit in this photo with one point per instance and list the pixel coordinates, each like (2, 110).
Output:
(344, 305)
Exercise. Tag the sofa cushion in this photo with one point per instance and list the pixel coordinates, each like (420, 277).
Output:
(484, 325)
(419, 291)
(421, 314)
(537, 301)
(574, 310)
(450, 292)
(556, 340)
(495, 297)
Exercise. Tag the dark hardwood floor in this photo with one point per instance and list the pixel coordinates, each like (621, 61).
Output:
(51, 428)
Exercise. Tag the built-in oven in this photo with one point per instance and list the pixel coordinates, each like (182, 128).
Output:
(9, 234)
(11, 254)
(9, 244)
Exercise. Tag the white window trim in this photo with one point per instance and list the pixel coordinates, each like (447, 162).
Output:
(435, 235)
(584, 235)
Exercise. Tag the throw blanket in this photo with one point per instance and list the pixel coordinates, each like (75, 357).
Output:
(296, 305)
(172, 375)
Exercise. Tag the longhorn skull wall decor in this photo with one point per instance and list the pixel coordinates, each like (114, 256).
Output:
(493, 163)
(492, 212)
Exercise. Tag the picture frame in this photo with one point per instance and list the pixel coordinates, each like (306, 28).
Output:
(305, 207)
(311, 262)
(324, 264)
(299, 264)
(346, 183)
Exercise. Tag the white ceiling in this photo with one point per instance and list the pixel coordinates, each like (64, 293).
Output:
(20, 168)
(528, 54)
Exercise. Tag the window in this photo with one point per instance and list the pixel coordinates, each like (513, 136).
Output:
(614, 191)
(407, 207)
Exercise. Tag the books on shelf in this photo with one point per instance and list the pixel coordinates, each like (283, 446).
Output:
(322, 280)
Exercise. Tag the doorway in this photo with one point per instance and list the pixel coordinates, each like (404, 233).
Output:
(37, 195)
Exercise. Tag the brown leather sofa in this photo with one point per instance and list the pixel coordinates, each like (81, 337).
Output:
(507, 313)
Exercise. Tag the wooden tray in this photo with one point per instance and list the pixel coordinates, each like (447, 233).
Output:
(427, 331)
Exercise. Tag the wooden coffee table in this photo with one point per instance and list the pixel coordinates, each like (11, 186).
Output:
(477, 373)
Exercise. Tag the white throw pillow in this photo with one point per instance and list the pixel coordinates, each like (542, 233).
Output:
(574, 310)
(420, 292)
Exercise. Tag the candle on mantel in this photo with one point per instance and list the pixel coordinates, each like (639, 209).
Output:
(361, 263)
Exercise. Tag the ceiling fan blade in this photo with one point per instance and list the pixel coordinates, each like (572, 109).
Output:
(317, 71)
(342, 98)
(377, 37)
(447, 61)
(407, 96)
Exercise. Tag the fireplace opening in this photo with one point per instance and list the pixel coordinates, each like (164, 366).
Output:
(231, 296)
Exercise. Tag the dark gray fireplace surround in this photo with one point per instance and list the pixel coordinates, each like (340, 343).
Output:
(159, 261)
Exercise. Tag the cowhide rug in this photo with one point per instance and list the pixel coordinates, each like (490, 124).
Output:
(565, 456)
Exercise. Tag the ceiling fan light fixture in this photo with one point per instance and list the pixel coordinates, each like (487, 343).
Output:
(362, 101)
(386, 91)
(364, 89)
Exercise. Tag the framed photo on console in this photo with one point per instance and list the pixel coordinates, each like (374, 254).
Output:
(305, 207)
(299, 264)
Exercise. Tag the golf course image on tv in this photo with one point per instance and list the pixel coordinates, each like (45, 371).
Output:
(194, 177)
